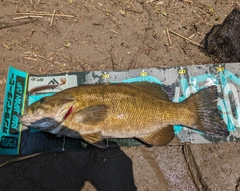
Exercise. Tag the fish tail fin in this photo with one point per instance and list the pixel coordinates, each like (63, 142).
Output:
(208, 119)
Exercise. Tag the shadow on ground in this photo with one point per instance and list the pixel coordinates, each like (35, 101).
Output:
(107, 169)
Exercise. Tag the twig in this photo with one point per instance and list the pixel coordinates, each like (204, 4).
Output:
(151, 47)
(17, 159)
(68, 30)
(193, 42)
(29, 58)
(134, 11)
(187, 1)
(9, 48)
(113, 31)
(149, 1)
(47, 14)
(52, 18)
(32, 56)
(36, 12)
(169, 39)
(8, 25)
(104, 10)
(29, 16)
(38, 56)
(112, 59)
(79, 63)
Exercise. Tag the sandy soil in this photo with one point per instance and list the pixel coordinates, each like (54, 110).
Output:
(113, 35)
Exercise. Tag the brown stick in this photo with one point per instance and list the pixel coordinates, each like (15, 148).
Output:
(27, 17)
(52, 18)
(36, 12)
(38, 56)
(9, 48)
(169, 39)
(69, 30)
(46, 14)
(193, 42)
(29, 58)
(8, 25)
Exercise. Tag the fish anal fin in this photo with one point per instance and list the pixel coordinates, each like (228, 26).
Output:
(92, 115)
(153, 89)
(160, 137)
(95, 139)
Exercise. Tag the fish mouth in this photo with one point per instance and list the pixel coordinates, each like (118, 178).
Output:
(44, 122)
(40, 124)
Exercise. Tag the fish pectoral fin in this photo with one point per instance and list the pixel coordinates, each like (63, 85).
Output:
(94, 139)
(92, 115)
(160, 137)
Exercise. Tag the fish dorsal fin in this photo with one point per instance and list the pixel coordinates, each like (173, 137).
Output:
(94, 139)
(160, 137)
(153, 89)
(92, 115)
(169, 91)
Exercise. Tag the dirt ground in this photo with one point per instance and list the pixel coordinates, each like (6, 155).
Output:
(43, 37)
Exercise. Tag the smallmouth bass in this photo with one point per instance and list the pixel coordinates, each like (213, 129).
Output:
(136, 110)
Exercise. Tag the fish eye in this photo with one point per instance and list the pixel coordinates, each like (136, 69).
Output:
(42, 100)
